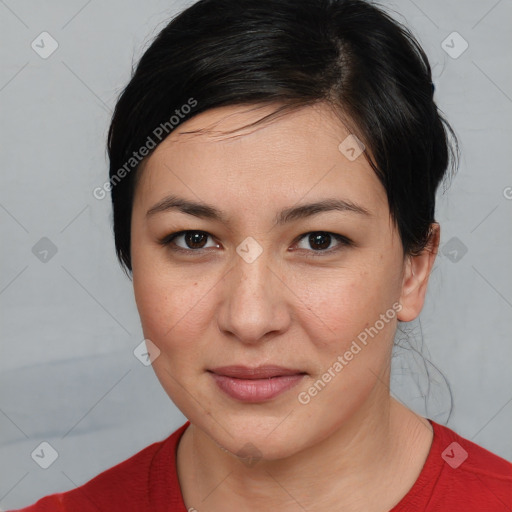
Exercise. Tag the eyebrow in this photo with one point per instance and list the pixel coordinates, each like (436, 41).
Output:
(206, 211)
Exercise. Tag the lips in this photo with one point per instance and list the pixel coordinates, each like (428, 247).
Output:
(261, 372)
(259, 384)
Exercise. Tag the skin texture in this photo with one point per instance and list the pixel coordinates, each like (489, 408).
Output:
(352, 447)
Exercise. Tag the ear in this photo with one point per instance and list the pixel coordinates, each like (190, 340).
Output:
(415, 277)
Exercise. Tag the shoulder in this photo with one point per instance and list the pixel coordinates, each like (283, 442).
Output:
(469, 477)
(133, 484)
(469, 457)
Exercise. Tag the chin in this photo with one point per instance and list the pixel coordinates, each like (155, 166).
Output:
(251, 449)
(254, 437)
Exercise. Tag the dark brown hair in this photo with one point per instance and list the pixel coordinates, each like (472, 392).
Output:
(347, 53)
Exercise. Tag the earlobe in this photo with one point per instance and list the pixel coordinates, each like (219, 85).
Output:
(416, 275)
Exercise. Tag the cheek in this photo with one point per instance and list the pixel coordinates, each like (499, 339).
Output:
(353, 343)
(177, 303)
(347, 303)
(171, 304)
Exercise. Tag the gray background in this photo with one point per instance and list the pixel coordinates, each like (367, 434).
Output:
(69, 324)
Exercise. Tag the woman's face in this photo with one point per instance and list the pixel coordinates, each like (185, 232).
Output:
(250, 287)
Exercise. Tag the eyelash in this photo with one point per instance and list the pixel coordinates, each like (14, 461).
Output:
(167, 241)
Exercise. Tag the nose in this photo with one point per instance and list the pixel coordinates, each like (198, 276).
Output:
(254, 306)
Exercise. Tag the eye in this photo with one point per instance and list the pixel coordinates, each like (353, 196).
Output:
(320, 241)
(194, 241)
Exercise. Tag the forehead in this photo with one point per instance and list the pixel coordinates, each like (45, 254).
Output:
(290, 159)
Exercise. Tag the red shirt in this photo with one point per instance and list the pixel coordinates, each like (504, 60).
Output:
(458, 476)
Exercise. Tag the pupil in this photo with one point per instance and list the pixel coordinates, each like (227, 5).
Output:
(194, 238)
(316, 239)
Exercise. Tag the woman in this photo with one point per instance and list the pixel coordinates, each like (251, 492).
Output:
(273, 171)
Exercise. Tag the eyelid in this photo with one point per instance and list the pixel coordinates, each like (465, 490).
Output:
(343, 241)
(167, 240)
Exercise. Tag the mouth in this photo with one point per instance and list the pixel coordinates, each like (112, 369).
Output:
(255, 384)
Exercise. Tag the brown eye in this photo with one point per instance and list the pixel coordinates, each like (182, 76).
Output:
(320, 242)
(194, 241)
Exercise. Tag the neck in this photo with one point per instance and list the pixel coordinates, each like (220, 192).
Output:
(352, 469)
